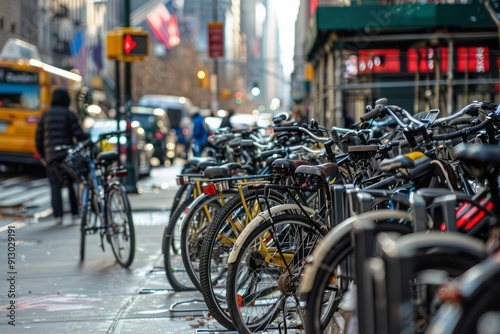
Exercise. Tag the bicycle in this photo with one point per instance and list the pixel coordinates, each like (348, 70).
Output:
(105, 205)
(333, 251)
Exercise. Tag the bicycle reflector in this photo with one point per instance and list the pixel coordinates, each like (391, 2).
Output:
(179, 180)
(470, 215)
(121, 173)
(209, 189)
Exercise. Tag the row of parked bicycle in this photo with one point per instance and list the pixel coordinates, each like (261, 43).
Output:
(322, 230)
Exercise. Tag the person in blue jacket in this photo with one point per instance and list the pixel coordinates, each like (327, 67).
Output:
(200, 132)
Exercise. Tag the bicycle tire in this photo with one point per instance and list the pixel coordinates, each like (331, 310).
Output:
(193, 230)
(178, 198)
(317, 317)
(172, 261)
(120, 225)
(89, 221)
(246, 264)
(466, 316)
(212, 247)
(83, 226)
(188, 189)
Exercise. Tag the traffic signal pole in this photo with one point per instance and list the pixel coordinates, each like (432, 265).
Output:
(131, 181)
(127, 45)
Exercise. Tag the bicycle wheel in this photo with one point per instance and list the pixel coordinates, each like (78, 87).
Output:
(228, 223)
(264, 271)
(171, 246)
(186, 195)
(120, 225)
(332, 278)
(194, 228)
(89, 220)
(180, 196)
(479, 309)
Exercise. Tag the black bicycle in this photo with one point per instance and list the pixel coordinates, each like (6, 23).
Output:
(106, 208)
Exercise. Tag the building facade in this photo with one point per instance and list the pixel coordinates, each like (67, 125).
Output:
(19, 19)
(419, 55)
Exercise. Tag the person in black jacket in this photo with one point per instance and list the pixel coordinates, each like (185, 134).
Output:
(57, 127)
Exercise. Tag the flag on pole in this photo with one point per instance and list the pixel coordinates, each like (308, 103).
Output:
(97, 56)
(79, 52)
(163, 23)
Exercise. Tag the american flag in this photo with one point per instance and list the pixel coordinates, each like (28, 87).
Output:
(164, 25)
(79, 52)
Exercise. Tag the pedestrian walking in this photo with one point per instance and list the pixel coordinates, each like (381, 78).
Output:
(200, 132)
(58, 127)
(226, 120)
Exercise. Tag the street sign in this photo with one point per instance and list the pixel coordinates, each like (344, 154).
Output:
(215, 40)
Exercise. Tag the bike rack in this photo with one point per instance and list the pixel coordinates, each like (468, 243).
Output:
(188, 301)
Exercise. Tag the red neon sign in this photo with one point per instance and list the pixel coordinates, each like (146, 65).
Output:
(379, 61)
(473, 59)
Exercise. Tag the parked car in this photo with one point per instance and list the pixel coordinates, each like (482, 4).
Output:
(178, 109)
(142, 151)
(158, 131)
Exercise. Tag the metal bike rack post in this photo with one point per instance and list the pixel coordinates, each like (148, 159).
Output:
(338, 204)
(419, 212)
(448, 204)
(364, 237)
(188, 301)
(365, 201)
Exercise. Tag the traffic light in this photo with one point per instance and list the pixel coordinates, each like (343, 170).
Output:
(255, 89)
(127, 44)
(203, 79)
(238, 98)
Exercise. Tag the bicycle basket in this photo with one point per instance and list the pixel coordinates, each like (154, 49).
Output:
(76, 164)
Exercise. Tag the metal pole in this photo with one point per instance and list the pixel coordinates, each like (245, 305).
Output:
(131, 182)
(215, 98)
(449, 79)
(117, 103)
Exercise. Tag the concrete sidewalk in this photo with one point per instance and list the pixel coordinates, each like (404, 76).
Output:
(157, 191)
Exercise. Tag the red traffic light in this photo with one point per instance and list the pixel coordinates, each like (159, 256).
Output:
(238, 95)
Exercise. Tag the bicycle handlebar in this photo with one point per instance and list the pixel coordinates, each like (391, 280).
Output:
(305, 148)
(466, 131)
(371, 114)
(111, 134)
(463, 111)
(302, 130)
(404, 113)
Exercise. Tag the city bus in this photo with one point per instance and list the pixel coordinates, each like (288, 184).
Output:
(25, 91)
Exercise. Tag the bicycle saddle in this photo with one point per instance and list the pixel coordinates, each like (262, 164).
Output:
(328, 172)
(286, 166)
(107, 157)
(195, 161)
(226, 170)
